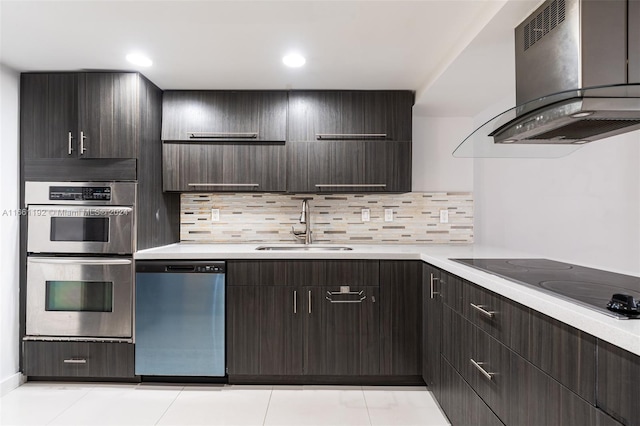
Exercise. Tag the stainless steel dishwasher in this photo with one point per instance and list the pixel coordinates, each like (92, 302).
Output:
(180, 318)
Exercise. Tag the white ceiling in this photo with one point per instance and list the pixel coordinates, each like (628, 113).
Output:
(239, 44)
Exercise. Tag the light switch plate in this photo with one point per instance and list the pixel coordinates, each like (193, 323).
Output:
(215, 215)
(388, 215)
(444, 216)
(366, 215)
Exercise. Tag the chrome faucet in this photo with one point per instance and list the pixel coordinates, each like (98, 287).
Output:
(305, 218)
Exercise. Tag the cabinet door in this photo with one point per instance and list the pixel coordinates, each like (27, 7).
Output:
(349, 166)
(224, 115)
(342, 334)
(401, 317)
(213, 166)
(108, 115)
(355, 115)
(431, 328)
(264, 330)
(48, 110)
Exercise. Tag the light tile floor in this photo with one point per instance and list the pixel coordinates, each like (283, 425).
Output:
(87, 404)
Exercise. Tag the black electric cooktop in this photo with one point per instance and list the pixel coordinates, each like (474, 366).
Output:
(613, 294)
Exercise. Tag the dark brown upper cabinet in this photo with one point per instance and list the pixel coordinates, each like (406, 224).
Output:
(208, 115)
(349, 141)
(79, 115)
(219, 167)
(350, 115)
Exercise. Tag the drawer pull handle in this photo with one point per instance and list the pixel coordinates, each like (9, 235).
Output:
(351, 185)
(309, 301)
(70, 139)
(75, 361)
(222, 135)
(484, 372)
(338, 136)
(481, 309)
(295, 302)
(225, 184)
(433, 280)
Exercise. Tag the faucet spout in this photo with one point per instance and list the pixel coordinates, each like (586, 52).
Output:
(305, 218)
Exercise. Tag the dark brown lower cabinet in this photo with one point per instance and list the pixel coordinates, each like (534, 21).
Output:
(278, 325)
(401, 317)
(431, 328)
(618, 391)
(461, 404)
(264, 334)
(525, 367)
(79, 359)
(342, 332)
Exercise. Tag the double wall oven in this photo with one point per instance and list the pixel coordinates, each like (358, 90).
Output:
(80, 244)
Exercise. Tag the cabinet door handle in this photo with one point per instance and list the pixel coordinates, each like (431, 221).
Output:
(82, 138)
(295, 302)
(75, 361)
(225, 184)
(351, 185)
(309, 301)
(484, 372)
(321, 136)
(70, 143)
(433, 292)
(222, 135)
(483, 311)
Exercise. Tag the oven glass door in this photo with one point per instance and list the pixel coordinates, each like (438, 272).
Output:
(82, 297)
(75, 229)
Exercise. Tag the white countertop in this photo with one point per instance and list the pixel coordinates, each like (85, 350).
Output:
(622, 333)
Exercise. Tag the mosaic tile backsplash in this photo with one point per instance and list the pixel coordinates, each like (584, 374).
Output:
(262, 218)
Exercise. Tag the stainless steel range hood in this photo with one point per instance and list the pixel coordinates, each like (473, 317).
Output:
(577, 80)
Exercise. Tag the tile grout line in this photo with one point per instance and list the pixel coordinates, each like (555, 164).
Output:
(366, 405)
(264, 420)
(167, 409)
(70, 406)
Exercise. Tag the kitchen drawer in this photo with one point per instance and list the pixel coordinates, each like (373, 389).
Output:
(565, 353)
(461, 404)
(488, 311)
(538, 399)
(78, 359)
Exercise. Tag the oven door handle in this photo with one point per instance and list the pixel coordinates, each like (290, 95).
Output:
(83, 261)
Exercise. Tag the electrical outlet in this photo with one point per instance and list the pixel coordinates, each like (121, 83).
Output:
(388, 215)
(366, 215)
(215, 215)
(444, 216)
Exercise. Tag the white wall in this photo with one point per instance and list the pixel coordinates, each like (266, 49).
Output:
(583, 208)
(434, 168)
(9, 227)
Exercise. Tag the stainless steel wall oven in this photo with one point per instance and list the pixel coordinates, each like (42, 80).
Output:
(80, 243)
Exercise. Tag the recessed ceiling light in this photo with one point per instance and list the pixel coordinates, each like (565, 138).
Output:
(294, 60)
(509, 141)
(581, 142)
(139, 59)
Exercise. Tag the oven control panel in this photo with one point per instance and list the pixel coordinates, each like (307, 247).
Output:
(80, 193)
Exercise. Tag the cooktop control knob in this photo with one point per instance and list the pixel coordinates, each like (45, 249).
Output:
(624, 303)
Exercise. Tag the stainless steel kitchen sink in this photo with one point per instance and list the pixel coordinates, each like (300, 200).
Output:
(300, 247)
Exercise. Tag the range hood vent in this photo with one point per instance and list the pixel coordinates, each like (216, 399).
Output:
(585, 128)
(577, 81)
(545, 21)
